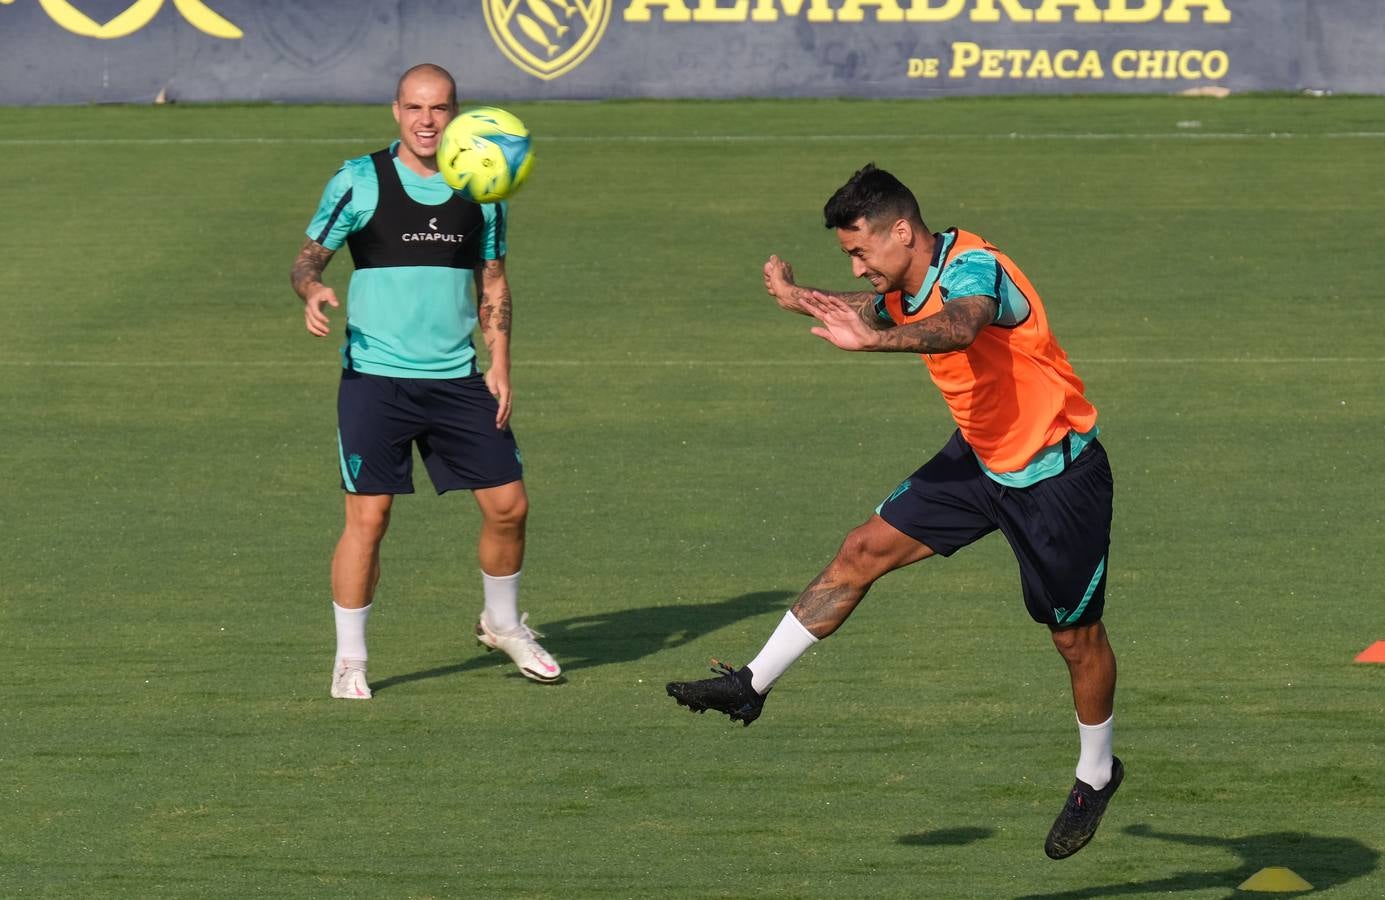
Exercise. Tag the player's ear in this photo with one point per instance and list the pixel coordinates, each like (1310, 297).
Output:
(903, 231)
(394, 107)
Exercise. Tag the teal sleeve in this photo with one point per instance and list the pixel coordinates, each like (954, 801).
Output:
(975, 273)
(348, 202)
(336, 216)
(497, 217)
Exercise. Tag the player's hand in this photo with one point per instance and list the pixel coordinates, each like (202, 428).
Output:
(779, 283)
(313, 316)
(498, 383)
(841, 324)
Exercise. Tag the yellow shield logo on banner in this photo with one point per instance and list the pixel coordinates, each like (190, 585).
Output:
(547, 38)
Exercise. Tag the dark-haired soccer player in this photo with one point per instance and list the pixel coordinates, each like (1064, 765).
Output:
(409, 372)
(1025, 460)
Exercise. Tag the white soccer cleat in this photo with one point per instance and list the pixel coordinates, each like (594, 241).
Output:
(348, 680)
(522, 647)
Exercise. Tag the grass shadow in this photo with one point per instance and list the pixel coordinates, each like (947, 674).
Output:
(624, 635)
(1324, 862)
(945, 837)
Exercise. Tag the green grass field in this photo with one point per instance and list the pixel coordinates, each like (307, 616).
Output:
(693, 455)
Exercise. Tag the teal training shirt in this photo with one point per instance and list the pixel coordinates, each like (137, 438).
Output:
(406, 321)
(977, 273)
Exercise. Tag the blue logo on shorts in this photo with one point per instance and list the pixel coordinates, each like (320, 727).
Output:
(897, 491)
(354, 461)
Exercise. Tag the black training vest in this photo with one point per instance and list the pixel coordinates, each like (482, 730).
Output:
(404, 232)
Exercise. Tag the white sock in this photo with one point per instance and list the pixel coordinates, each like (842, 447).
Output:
(501, 593)
(1094, 765)
(787, 644)
(351, 631)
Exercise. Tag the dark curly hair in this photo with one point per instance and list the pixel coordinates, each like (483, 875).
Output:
(874, 195)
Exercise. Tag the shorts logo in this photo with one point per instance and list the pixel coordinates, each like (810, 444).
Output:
(354, 463)
(899, 490)
(1059, 612)
(547, 38)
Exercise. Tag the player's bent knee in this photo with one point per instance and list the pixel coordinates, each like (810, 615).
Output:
(367, 516)
(511, 526)
(1079, 642)
(871, 551)
(513, 513)
(504, 507)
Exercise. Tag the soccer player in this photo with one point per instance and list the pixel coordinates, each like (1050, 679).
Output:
(409, 370)
(1025, 460)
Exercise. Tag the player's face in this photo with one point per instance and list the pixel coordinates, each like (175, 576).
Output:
(423, 109)
(878, 253)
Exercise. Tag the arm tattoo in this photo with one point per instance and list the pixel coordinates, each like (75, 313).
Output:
(864, 304)
(954, 328)
(861, 301)
(824, 605)
(494, 313)
(308, 267)
(853, 298)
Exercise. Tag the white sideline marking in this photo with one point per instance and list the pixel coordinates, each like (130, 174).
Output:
(691, 363)
(743, 138)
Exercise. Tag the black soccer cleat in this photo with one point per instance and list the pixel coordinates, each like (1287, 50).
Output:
(1081, 815)
(729, 693)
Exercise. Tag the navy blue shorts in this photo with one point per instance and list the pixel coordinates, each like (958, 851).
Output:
(452, 420)
(1059, 528)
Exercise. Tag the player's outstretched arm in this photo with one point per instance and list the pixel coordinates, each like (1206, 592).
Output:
(306, 279)
(493, 315)
(952, 328)
(779, 283)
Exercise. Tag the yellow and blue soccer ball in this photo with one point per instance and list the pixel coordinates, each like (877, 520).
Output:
(485, 154)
